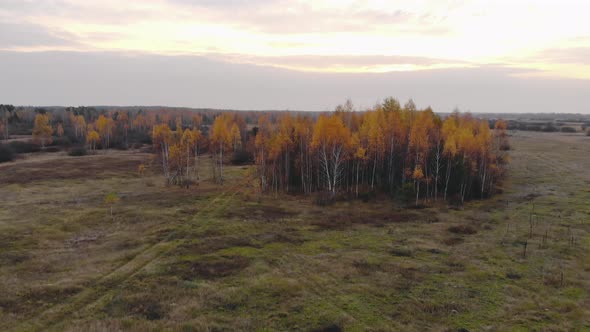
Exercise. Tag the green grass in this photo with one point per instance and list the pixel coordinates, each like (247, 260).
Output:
(222, 258)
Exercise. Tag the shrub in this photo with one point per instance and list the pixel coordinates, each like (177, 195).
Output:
(329, 328)
(549, 128)
(71, 139)
(78, 152)
(146, 139)
(241, 157)
(407, 193)
(52, 149)
(401, 252)
(6, 153)
(61, 141)
(533, 128)
(24, 147)
(367, 196)
(568, 130)
(120, 146)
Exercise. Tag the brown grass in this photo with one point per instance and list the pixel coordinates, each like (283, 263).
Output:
(220, 258)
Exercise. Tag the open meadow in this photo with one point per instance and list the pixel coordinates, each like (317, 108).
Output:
(226, 258)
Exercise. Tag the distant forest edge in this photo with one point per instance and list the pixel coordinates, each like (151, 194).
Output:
(413, 154)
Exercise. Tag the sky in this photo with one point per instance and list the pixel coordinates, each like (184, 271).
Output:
(479, 56)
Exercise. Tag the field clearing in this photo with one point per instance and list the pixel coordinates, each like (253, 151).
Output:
(225, 258)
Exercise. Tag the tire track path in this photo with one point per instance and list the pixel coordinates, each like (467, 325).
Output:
(104, 286)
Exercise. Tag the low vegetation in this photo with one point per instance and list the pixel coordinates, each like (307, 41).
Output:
(214, 257)
(340, 221)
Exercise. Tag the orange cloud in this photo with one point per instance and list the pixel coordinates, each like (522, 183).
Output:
(319, 35)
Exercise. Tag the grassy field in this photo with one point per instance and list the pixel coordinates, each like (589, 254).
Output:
(214, 258)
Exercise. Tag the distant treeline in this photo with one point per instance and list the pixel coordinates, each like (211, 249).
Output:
(550, 126)
(401, 150)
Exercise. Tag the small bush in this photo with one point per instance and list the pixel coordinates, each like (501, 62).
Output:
(568, 130)
(367, 196)
(241, 157)
(146, 139)
(407, 193)
(24, 147)
(549, 129)
(78, 152)
(533, 128)
(401, 252)
(61, 141)
(120, 147)
(6, 154)
(52, 149)
(329, 328)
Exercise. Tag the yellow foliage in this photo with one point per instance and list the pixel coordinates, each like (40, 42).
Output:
(418, 174)
(220, 135)
(42, 130)
(92, 138)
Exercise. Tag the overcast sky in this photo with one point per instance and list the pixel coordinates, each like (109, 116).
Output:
(482, 56)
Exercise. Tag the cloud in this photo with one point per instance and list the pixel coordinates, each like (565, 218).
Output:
(574, 55)
(318, 35)
(225, 3)
(32, 7)
(99, 78)
(23, 35)
(80, 11)
(345, 63)
(298, 17)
